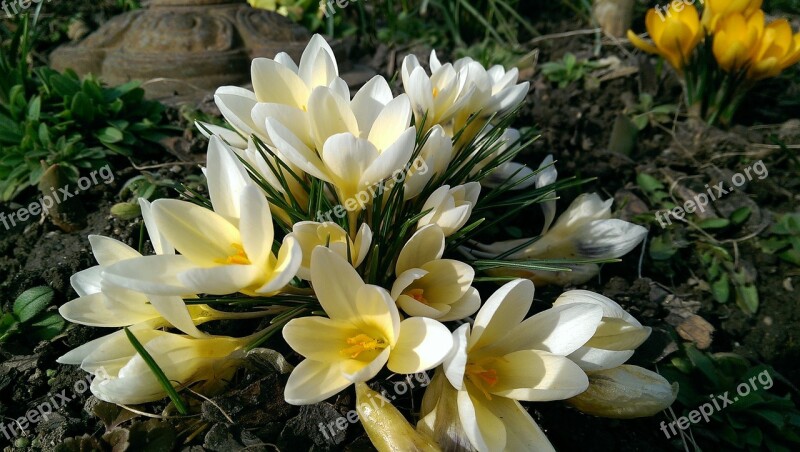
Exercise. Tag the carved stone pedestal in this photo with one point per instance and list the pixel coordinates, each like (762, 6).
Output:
(182, 48)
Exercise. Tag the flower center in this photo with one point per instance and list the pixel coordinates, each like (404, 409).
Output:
(482, 377)
(435, 92)
(418, 294)
(362, 343)
(240, 258)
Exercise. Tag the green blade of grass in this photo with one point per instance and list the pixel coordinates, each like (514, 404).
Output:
(160, 376)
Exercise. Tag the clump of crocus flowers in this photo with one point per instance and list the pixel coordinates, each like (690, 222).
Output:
(351, 221)
(720, 54)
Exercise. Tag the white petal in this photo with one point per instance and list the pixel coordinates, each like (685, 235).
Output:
(295, 150)
(392, 159)
(538, 376)
(370, 100)
(220, 280)
(423, 344)
(256, 225)
(318, 63)
(108, 251)
(455, 364)
(87, 282)
(235, 104)
(160, 243)
(290, 256)
(425, 245)
(503, 311)
(227, 177)
(173, 309)
(485, 431)
(150, 274)
(593, 359)
(312, 382)
(336, 283)
(558, 330)
(393, 120)
(275, 83)
(602, 239)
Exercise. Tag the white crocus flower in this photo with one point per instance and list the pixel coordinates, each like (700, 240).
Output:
(584, 231)
(223, 251)
(310, 234)
(351, 147)
(104, 304)
(450, 208)
(281, 88)
(122, 376)
(433, 159)
(361, 335)
(616, 338)
(502, 359)
(436, 98)
(429, 286)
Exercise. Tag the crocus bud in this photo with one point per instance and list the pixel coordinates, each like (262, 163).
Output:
(450, 208)
(625, 392)
(386, 427)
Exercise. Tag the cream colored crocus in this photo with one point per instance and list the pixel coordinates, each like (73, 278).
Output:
(102, 303)
(429, 286)
(616, 338)
(625, 392)
(437, 98)
(493, 92)
(280, 88)
(352, 147)
(584, 231)
(122, 376)
(310, 234)
(223, 251)
(450, 208)
(362, 334)
(433, 159)
(503, 359)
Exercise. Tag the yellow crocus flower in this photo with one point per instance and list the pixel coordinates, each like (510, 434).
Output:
(714, 10)
(777, 50)
(736, 38)
(674, 36)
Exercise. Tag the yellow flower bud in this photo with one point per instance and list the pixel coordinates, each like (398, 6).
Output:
(386, 427)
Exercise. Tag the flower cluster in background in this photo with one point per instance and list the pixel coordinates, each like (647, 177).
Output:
(388, 287)
(721, 53)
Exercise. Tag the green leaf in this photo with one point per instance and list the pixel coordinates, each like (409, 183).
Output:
(49, 326)
(82, 107)
(32, 302)
(648, 183)
(7, 322)
(160, 376)
(64, 85)
(109, 135)
(740, 215)
(714, 223)
(721, 288)
(35, 108)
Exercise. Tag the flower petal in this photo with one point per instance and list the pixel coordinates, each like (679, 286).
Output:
(503, 311)
(314, 381)
(427, 244)
(537, 376)
(423, 344)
